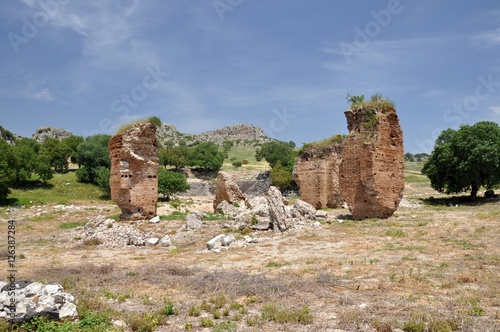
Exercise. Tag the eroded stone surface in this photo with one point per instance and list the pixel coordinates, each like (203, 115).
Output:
(227, 190)
(372, 166)
(134, 171)
(22, 300)
(316, 171)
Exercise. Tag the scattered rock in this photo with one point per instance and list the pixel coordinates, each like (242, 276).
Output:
(320, 214)
(305, 209)
(119, 324)
(193, 221)
(230, 210)
(221, 241)
(134, 171)
(155, 220)
(228, 239)
(35, 299)
(165, 241)
(108, 233)
(152, 241)
(216, 242)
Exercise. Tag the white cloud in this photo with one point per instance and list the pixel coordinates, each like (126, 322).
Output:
(43, 94)
(495, 109)
(491, 37)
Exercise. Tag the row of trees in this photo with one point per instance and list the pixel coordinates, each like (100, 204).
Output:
(204, 156)
(28, 160)
(462, 160)
(418, 157)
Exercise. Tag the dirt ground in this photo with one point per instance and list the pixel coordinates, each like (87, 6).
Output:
(436, 264)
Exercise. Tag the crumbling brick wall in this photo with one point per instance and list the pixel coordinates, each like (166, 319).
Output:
(372, 167)
(134, 171)
(316, 171)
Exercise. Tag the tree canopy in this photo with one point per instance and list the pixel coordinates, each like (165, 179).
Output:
(281, 158)
(465, 159)
(277, 151)
(171, 182)
(206, 156)
(91, 155)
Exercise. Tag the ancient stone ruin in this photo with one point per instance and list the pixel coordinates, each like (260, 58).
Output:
(372, 166)
(134, 170)
(316, 171)
(227, 190)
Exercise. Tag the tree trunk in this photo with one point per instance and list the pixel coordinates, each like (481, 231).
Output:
(473, 193)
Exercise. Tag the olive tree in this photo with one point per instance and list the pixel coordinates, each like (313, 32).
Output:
(465, 159)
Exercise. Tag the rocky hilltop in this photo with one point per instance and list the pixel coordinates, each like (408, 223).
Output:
(43, 133)
(240, 133)
(7, 136)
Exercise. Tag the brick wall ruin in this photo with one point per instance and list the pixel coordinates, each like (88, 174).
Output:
(372, 167)
(134, 171)
(316, 171)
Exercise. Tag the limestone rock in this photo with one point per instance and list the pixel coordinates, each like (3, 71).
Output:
(165, 241)
(193, 221)
(155, 220)
(316, 171)
(43, 133)
(305, 209)
(220, 241)
(134, 171)
(372, 166)
(152, 241)
(229, 210)
(227, 190)
(237, 132)
(216, 242)
(259, 206)
(36, 299)
(280, 215)
(320, 214)
(240, 133)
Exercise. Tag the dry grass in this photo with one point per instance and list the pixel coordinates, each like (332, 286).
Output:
(435, 266)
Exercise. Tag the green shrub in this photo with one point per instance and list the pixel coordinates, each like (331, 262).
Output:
(206, 322)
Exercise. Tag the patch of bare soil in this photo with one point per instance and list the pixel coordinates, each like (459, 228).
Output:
(436, 265)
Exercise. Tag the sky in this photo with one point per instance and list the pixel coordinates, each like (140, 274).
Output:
(283, 65)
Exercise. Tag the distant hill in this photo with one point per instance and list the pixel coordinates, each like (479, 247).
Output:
(240, 134)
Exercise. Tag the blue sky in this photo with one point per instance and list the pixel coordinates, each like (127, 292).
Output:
(283, 65)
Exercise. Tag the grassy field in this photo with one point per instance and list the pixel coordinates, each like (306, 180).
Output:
(61, 189)
(239, 153)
